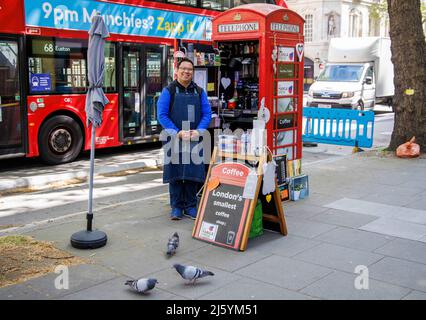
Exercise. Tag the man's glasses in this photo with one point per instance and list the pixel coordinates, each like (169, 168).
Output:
(186, 69)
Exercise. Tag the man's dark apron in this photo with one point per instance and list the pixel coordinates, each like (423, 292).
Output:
(186, 107)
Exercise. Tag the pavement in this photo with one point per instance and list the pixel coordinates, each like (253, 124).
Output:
(364, 222)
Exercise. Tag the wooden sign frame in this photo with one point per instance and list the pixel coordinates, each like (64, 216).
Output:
(206, 231)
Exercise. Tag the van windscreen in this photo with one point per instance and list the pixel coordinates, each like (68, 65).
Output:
(341, 73)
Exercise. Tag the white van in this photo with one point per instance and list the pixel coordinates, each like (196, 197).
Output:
(358, 74)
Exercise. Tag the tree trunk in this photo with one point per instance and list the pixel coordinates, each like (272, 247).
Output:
(409, 59)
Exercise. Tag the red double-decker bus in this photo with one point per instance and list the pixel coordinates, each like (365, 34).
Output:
(43, 70)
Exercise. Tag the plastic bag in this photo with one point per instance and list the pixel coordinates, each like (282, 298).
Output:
(257, 222)
(408, 149)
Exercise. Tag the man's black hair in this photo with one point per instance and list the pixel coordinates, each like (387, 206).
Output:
(185, 60)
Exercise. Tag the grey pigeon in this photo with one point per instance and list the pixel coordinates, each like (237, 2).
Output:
(172, 244)
(191, 273)
(142, 285)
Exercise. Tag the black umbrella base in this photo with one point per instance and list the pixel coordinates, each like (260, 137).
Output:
(310, 144)
(88, 239)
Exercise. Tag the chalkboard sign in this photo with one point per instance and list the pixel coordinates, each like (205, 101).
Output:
(281, 162)
(224, 215)
(223, 209)
(284, 121)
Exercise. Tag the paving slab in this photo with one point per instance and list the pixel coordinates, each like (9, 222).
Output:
(306, 228)
(419, 202)
(396, 228)
(284, 272)
(400, 272)
(249, 289)
(336, 257)
(317, 198)
(186, 224)
(60, 236)
(380, 210)
(404, 249)
(116, 290)
(343, 218)
(80, 277)
(21, 292)
(341, 286)
(341, 190)
(300, 210)
(148, 233)
(417, 181)
(225, 259)
(415, 295)
(285, 246)
(355, 239)
(136, 262)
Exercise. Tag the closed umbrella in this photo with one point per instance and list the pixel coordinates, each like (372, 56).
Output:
(95, 103)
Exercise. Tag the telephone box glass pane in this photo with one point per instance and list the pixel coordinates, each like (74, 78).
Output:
(283, 105)
(283, 138)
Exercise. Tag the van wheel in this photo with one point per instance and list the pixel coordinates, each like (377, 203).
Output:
(360, 106)
(60, 140)
(390, 104)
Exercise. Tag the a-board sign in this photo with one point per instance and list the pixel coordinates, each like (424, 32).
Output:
(224, 211)
(230, 194)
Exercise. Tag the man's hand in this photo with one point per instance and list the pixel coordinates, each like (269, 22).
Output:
(184, 135)
(194, 134)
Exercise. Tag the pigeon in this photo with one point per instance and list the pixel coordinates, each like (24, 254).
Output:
(142, 285)
(172, 244)
(191, 273)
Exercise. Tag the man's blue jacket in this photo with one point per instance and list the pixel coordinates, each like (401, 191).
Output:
(163, 107)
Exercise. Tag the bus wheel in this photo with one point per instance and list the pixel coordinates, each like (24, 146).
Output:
(60, 140)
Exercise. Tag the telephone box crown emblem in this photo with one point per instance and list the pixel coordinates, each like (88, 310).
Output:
(237, 17)
(285, 17)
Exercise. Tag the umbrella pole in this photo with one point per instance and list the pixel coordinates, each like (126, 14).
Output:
(88, 239)
(92, 169)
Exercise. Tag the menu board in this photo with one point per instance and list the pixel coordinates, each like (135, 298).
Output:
(224, 212)
(285, 71)
(281, 162)
(230, 195)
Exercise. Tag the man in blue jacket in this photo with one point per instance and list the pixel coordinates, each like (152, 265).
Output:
(184, 112)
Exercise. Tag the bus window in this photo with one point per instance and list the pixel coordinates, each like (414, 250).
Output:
(57, 66)
(191, 3)
(216, 4)
(60, 66)
(110, 83)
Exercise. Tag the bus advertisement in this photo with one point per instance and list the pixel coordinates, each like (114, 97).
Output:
(43, 70)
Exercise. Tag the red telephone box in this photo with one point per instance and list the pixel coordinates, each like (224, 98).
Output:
(263, 45)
